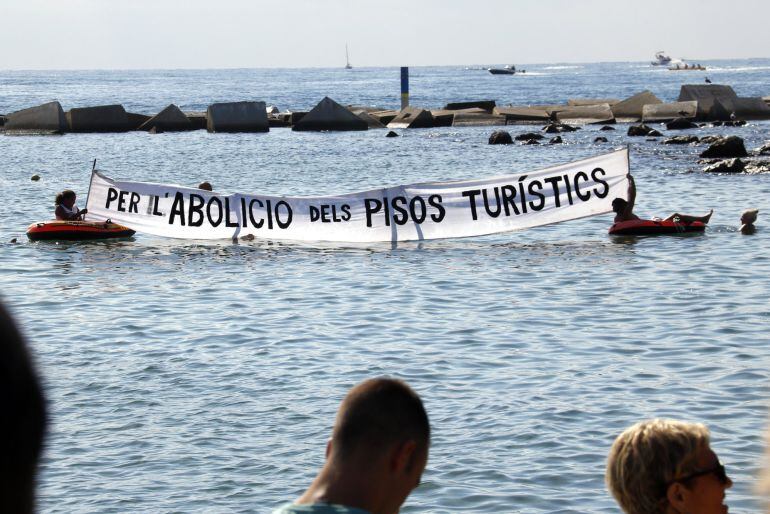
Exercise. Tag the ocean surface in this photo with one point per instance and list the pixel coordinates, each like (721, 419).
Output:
(193, 376)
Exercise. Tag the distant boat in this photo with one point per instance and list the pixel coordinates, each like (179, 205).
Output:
(505, 70)
(348, 66)
(661, 59)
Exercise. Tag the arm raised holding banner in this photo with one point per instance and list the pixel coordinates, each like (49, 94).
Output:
(624, 209)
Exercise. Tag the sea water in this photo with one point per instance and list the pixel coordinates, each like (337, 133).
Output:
(200, 376)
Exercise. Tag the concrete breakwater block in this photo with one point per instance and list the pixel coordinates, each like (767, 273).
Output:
(329, 115)
(370, 120)
(170, 119)
(486, 105)
(385, 117)
(48, 117)
(237, 117)
(476, 119)
(715, 101)
(750, 108)
(197, 119)
(522, 115)
(669, 111)
(412, 117)
(584, 114)
(631, 109)
(578, 102)
(136, 120)
(101, 118)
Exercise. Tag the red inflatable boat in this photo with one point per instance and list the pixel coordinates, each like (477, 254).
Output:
(651, 228)
(76, 230)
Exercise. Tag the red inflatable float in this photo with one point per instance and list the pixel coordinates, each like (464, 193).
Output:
(651, 228)
(76, 230)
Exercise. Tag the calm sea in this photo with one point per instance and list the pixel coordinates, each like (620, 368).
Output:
(190, 376)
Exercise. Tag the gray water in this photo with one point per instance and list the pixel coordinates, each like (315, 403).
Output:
(190, 376)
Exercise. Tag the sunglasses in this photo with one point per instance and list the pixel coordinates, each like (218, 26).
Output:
(718, 471)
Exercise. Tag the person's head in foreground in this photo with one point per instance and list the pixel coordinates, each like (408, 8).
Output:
(377, 452)
(66, 198)
(22, 421)
(666, 466)
(748, 217)
(619, 205)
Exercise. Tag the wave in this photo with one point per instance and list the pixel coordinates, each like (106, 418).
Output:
(565, 67)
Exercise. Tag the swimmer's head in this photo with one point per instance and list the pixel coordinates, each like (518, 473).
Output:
(619, 205)
(206, 186)
(749, 216)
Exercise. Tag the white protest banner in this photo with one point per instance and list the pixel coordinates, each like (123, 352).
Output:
(403, 213)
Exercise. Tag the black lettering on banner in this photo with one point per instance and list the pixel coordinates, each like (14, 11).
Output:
(112, 195)
(372, 206)
(155, 211)
(289, 214)
(134, 203)
(522, 196)
(435, 201)
(177, 209)
(269, 209)
(554, 181)
(122, 201)
(569, 189)
(315, 213)
(386, 206)
(228, 221)
(257, 224)
(595, 176)
(325, 214)
(214, 221)
(493, 213)
(583, 196)
(471, 195)
(400, 214)
(196, 207)
(345, 208)
(418, 218)
(534, 190)
(509, 195)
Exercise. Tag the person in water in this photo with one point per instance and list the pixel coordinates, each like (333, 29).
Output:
(206, 186)
(66, 208)
(624, 209)
(748, 218)
(663, 466)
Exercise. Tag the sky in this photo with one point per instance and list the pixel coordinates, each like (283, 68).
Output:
(148, 34)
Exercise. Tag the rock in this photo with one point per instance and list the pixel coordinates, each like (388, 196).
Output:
(726, 166)
(752, 108)
(329, 115)
(487, 105)
(558, 127)
(528, 135)
(680, 140)
(35, 178)
(47, 117)
(600, 140)
(237, 117)
(734, 123)
(102, 118)
(710, 139)
(764, 149)
(170, 119)
(654, 133)
(651, 139)
(500, 137)
(555, 140)
(639, 130)
(14, 241)
(680, 124)
(391, 134)
(607, 127)
(412, 117)
(731, 146)
(631, 109)
(755, 167)
(531, 142)
(715, 101)
(584, 114)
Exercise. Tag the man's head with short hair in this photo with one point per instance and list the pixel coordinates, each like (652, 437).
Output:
(378, 449)
(649, 456)
(377, 413)
(23, 415)
(619, 205)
